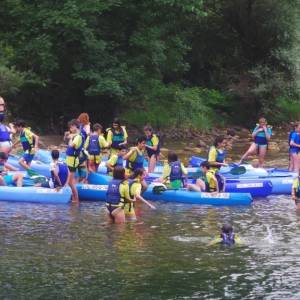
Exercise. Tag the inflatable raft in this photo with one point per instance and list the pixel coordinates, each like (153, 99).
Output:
(98, 193)
(35, 194)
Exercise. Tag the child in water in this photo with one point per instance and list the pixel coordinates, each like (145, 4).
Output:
(296, 192)
(227, 237)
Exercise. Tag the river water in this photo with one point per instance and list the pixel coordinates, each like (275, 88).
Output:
(68, 252)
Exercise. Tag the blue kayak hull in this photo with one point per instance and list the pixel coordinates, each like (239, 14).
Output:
(98, 193)
(35, 195)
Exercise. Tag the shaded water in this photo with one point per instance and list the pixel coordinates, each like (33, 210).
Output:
(57, 252)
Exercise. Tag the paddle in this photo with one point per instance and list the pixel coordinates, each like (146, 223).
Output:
(240, 170)
(147, 203)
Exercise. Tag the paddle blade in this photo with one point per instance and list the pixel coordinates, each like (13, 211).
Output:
(238, 170)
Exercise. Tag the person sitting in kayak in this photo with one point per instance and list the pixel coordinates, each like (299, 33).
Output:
(227, 237)
(216, 159)
(94, 145)
(116, 159)
(295, 149)
(8, 179)
(117, 195)
(60, 174)
(261, 135)
(135, 157)
(174, 173)
(208, 183)
(29, 142)
(296, 192)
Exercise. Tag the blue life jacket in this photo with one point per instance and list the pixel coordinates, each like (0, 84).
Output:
(62, 174)
(83, 133)
(2, 167)
(94, 147)
(227, 239)
(113, 195)
(71, 151)
(117, 138)
(25, 142)
(151, 152)
(220, 156)
(138, 163)
(176, 172)
(120, 161)
(296, 138)
(4, 133)
(260, 137)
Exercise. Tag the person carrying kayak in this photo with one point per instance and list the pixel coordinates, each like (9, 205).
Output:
(29, 142)
(116, 136)
(261, 135)
(152, 147)
(216, 159)
(8, 179)
(94, 145)
(117, 195)
(208, 183)
(295, 149)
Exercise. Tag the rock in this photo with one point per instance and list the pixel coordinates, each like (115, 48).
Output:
(273, 147)
(201, 143)
(231, 132)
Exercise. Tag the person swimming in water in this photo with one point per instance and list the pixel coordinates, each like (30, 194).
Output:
(227, 237)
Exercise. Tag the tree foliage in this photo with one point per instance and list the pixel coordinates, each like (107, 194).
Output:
(168, 62)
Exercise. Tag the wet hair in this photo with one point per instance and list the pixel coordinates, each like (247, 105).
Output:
(97, 127)
(74, 122)
(3, 156)
(227, 228)
(219, 139)
(84, 118)
(122, 147)
(116, 121)
(172, 156)
(140, 139)
(55, 154)
(20, 123)
(119, 173)
(148, 128)
(205, 164)
(137, 172)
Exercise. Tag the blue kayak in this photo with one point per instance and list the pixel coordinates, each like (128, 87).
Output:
(35, 194)
(98, 193)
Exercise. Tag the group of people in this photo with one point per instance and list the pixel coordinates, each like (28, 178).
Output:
(86, 145)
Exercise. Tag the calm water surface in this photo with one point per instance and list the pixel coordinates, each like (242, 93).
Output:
(65, 251)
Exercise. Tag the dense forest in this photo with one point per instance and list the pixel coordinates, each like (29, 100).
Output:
(195, 63)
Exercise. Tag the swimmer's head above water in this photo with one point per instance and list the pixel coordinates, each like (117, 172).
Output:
(227, 235)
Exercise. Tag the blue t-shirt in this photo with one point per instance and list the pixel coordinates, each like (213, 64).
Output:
(295, 137)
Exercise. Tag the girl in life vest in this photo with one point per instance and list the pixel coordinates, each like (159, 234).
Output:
(94, 145)
(208, 183)
(296, 192)
(116, 136)
(216, 159)
(291, 163)
(261, 136)
(136, 189)
(174, 173)
(117, 195)
(152, 148)
(85, 125)
(295, 149)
